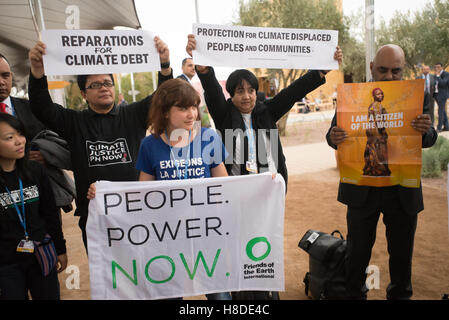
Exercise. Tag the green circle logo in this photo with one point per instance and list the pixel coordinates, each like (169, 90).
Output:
(252, 243)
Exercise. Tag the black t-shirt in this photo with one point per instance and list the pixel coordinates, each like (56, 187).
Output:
(102, 146)
(41, 213)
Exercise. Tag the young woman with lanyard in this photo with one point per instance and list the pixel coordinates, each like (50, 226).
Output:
(28, 214)
(177, 147)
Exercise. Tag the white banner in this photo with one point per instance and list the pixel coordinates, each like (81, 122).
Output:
(254, 47)
(99, 51)
(164, 239)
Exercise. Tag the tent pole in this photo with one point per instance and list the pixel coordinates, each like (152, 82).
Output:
(41, 14)
(33, 16)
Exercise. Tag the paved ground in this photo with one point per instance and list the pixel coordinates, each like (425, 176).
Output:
(309, 158)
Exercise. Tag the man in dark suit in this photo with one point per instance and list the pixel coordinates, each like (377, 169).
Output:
(188, 70)
(441, 95)
(429, 91)
(18, 107)
(399, 205)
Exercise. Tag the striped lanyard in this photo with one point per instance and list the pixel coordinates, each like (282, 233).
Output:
(178, 171)
(20, 214)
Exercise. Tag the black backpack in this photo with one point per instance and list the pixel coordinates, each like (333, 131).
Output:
(326, 277)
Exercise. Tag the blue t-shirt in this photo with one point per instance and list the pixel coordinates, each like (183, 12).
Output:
(196, 160)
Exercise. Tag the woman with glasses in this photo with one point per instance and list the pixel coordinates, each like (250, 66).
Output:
(104, 138)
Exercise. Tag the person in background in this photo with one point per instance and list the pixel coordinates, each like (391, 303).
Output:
(429, 91)
(188, 70)
(17, 107)
(441, 95)
(121, 100)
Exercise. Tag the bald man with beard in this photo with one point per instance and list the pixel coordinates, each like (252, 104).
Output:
(399, 205)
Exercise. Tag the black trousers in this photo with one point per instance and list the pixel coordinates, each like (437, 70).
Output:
(16, 279)
(400, 234)
(442, 115)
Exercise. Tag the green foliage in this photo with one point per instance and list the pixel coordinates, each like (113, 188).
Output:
(443, 153)
(143, 82)
(353, 48)
(423, 35)
(436, 158)
(299, 14)
(431, 167)
(73, 97)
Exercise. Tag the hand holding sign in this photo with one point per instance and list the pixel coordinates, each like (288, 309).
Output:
(338, 56)
(36, 60)
(338, 135)
(164, 54)
(255, 47)
(191, 45)
(422, 123)
(102, 51)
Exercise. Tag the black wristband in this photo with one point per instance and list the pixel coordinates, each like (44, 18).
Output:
(165, 65)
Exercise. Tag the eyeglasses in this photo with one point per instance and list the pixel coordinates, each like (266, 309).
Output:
(98, 85)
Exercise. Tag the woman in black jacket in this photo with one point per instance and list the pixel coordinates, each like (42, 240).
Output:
(258, 148)
(28, 215)
(248, 125)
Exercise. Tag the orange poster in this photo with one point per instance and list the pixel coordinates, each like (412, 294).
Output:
(382, 148)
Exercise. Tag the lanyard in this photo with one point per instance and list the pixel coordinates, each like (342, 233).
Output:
(251, 142)
(178, 171)
(21, 215)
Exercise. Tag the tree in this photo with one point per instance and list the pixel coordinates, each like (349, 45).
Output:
(424, 35)
(353, 47)
(143, 82)
(433, 33)
(300, 14)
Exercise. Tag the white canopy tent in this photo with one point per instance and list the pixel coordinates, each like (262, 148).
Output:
(19, 20)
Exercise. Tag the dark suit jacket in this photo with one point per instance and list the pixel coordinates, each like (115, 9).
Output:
(443, 87)
(428, 97)
(23, 112)
(183, 77)
(356, 196)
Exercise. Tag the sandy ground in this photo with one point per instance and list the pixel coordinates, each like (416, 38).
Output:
(311, 204)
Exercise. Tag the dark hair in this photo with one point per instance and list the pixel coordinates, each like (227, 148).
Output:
(439, 63)
(185, 60)
(21, 164)
(173, 92)
(236, 78)
(82, 79)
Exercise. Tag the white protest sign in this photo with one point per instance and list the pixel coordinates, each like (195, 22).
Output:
(162, 239)
(254, 47)
(99, 51)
